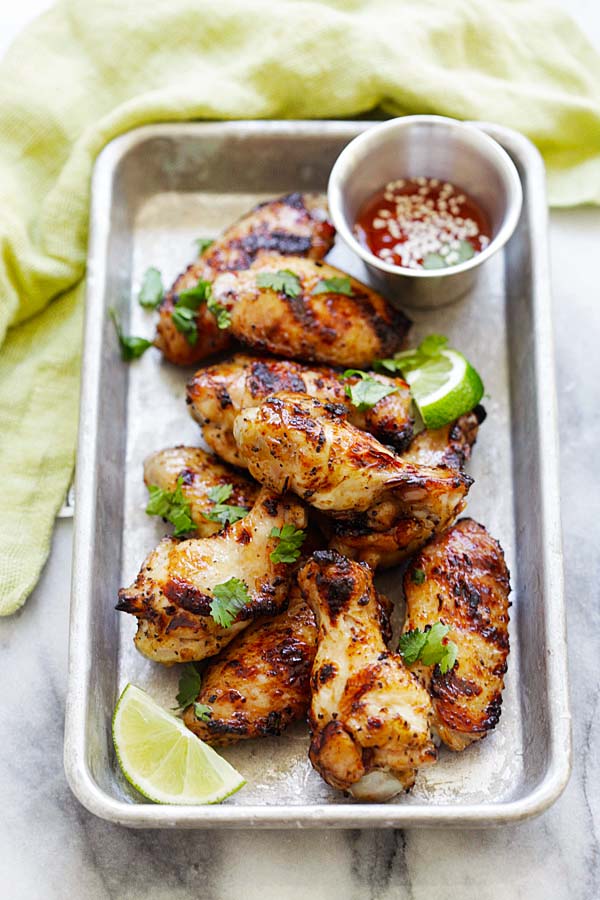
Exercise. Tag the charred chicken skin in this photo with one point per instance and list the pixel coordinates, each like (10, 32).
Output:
(369, 716)
(464, 583)
(216, 395)
(296, 224)
(450, 446)
(314, 322)
(172, 594)
(259, 684)
(199, 473)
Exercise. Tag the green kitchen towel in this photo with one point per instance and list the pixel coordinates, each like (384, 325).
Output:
(86, 72)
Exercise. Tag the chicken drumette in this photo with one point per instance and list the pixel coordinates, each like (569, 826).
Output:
(369, 716)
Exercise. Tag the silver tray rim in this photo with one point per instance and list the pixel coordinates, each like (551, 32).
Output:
(147, 815)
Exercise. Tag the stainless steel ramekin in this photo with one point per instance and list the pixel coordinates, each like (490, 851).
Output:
(436, 147)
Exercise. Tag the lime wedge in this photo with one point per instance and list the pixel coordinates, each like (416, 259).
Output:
(444, 387)
(162, 759)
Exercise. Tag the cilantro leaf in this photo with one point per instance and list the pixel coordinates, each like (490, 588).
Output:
(411, 644)
(417, 576)
(430, 349)
(221, 314)
(364, 394)
(202, 711)
(221, 511)
(172, 506)
(229, 598)
(184, 320)
(189, 685)
(430, 646)
(131, 347)
(283, 280)
(337, 285)
(203, 244)
(290, 542)
(152, 290)
(194, 297)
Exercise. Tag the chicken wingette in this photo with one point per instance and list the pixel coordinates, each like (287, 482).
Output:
(461, 580)
(307, 310)
(200, 472)
(369, 716)
(258, 684)
(294, 442)
(449, 446)
(296, 224)
(217, 393)
(174, 592)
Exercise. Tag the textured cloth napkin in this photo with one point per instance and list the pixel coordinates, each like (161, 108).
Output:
(86, 72)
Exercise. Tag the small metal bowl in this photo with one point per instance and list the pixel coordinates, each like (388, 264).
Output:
(435, 147)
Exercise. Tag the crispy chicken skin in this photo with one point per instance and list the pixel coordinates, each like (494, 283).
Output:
(199, 472)
(369, 716)
(172, 593)
(330, 327)
(293, 442)
(259, 684)
(295, 224)
(216, 395)
(466, 587)
(451, 445)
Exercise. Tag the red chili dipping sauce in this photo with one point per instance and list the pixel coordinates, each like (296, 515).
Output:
(422, 223)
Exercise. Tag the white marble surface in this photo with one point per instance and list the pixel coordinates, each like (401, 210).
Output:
(51, 848)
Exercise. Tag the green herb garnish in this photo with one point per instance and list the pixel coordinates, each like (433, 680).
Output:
(417, 576)
(131, 347)
(202, 712)
(290, 542)
(172, 506)
(184, 320)
(431, 647)
(366, 392)
(222, 315)
(229, 598)
(190, 681)
(203, 244)
(337, 285)
(152, 290)
(285, 281)
(194, 297)
(429, 350)
(221, 511)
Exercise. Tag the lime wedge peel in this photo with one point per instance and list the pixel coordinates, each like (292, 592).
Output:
(165, 761)
(445, 388)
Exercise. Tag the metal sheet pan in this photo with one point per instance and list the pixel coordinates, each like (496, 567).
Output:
(154, 190)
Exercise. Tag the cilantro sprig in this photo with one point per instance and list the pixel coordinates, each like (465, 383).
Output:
(190, 681)
(222, 512)
(152, 289)
(131, 347)
(418, 576)
(228, 599)
(186, 306)
(430, 646)
(364, 394)
(290, 543)
(203, 712)
(172, 506)
(336, 285)
(428, 352)
(283, 280)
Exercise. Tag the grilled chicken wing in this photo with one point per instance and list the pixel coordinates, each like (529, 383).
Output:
(315, 326)
(466, 587)
(172, 594)
(217, 393)
(199, 472)
(296, 224)
(293, 442)
(259, 684)
(448, 446)
(369, 716)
